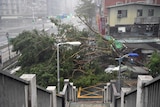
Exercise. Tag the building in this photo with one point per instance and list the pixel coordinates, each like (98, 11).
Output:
(60, 7)
(53, 7)
(11, 8)
(22, 8)
(108, 3)
(134, 17)
(21, 11)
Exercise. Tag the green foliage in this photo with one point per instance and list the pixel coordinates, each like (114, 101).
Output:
(154, 64)
(34, 46)
(45, 73)
(87, 10)
(88, 80)
(84, 81)
(82, 64)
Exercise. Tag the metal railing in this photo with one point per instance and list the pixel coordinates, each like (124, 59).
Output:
(147, 20)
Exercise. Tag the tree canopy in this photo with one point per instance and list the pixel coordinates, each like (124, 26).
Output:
(154, 64)
(87, 10)
(84, 65)
(34, 46)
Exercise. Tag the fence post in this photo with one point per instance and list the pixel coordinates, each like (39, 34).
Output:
(71, 92)
(123, 91)
(66, 82)
(54, 97)
(108, 97)
(32, 89)
(115, 93)
(74, 94)
(141, 80)
(105, 94)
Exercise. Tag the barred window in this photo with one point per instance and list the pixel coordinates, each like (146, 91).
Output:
(151, 12)
(122, 13)
(139, 12)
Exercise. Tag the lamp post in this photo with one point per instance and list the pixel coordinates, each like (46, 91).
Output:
(120, 61)
(99, 5)
(75, 43)
(7, 35)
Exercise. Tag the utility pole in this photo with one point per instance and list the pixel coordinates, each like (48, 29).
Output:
(7, 35)
(159, 29)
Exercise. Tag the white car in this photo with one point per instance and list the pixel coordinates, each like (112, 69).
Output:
(109, 69)
(112, 68)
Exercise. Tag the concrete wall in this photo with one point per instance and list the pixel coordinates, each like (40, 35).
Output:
(146, 94)
(16, 92)
(130, 99)
(24, 92)
(60, 101)
(13, 91)
(43, 97)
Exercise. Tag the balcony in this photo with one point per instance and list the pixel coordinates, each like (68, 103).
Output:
(147, 20)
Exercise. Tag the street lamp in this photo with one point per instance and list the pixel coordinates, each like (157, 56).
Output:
(120, 61)
(7, 35)
(75, 43)
(99, 5)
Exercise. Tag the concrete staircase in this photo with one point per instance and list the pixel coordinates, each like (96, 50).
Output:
(88, 104)
(91, 96)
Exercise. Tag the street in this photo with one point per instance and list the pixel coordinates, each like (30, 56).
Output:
(14, 31)
(10, 31)
(6, 50)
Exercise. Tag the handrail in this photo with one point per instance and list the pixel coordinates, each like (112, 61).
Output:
(115, 92)
(68, 92)
(152, 81)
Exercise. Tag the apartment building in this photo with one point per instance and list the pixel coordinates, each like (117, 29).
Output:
(108, 3)
(134, 17)
(22, 8)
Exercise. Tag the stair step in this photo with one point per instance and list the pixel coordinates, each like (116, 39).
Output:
(89, 104)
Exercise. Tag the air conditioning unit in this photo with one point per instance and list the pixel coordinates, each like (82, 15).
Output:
(119, 15)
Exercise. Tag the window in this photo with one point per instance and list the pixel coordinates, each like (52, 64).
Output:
(151, 12)
(13, 11)
(139, 12)
(122, 13)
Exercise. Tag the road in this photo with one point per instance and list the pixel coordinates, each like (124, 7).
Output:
(14, 31)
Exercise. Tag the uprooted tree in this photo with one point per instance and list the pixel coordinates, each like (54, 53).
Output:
(84, 65)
